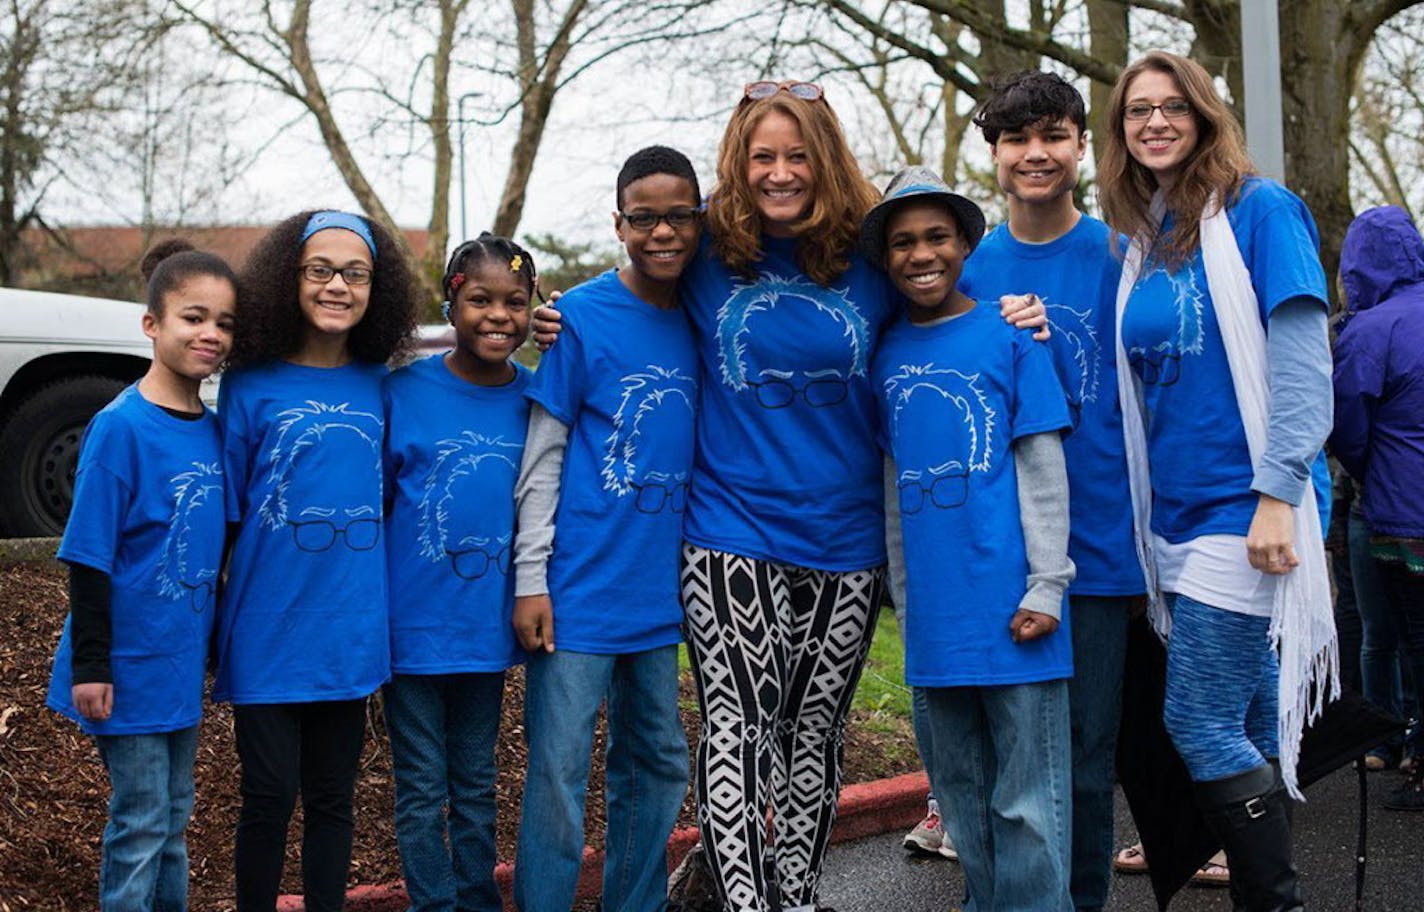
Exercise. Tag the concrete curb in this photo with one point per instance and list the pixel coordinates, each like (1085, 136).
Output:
(866, 809)
(20, 550)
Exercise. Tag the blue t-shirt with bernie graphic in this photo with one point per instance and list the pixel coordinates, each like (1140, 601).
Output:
(1201, 467)
(623, 378)
(1076, 276)
(787, 465)
(304, 614)
(953, 399)
(453, 450)
(148, 511)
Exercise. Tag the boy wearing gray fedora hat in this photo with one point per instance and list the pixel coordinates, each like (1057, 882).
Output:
(971, 417)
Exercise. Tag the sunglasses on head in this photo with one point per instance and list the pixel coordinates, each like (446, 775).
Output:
(806, 91)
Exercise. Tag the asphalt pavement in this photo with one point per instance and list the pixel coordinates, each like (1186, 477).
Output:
(877, 875)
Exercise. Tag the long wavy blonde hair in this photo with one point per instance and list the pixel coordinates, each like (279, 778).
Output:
(840, 198)
(1217, 165)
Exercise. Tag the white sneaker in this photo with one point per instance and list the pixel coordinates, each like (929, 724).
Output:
(929, 838)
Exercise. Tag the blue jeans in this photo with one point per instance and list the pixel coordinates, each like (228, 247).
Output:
(1380, 679)
(645, 767)
(144, 863)
(1095, 705)
(1001, 769)
(443, 729)
(1221, 702)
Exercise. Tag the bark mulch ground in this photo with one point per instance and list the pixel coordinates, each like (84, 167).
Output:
(53, 790)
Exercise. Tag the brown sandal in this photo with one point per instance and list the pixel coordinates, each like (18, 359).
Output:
(1214, 873)
(1131, 860)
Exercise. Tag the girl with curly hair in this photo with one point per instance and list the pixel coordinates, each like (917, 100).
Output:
(455, 428)
(1224, 378)
(303, 636)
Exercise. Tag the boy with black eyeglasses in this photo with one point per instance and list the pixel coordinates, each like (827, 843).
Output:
(600, 497)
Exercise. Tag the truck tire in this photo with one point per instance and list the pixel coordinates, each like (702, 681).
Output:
(39, 451)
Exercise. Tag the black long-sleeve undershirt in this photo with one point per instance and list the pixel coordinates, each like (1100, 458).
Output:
(90, 625)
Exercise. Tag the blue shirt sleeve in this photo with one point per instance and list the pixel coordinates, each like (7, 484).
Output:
(560, 383)
(237, 457)
(101, 502)
(1284, 258)
(1039, 402)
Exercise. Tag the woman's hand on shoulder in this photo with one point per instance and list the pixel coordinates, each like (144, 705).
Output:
(534, 622)
(547, 323)
(1026, 312)
(1270, 542)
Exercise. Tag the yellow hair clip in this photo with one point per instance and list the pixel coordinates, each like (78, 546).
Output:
(516, 264)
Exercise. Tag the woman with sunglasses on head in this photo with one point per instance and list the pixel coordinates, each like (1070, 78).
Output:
(1224, 375)
(783, 564)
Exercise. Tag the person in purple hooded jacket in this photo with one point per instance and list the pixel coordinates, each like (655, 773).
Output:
(1379, 426)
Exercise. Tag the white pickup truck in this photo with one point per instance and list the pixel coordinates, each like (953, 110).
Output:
(62, 358)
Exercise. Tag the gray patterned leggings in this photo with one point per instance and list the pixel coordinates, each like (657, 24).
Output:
(776, 653)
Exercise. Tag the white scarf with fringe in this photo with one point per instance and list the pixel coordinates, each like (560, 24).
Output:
(1302, 621)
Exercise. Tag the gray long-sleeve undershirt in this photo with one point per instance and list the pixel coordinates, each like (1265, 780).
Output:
(1043, 513)
(1302, 410)
(536, 496)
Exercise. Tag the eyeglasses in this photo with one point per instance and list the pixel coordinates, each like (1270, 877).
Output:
(806, 91)
(1172, 109)
(322, 273)
(946, 491)
(677, 218)
(1157, 368)
(819, 393)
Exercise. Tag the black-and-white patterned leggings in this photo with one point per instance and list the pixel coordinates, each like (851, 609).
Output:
(776, 653)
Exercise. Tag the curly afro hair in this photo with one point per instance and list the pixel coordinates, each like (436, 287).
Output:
(270, 327)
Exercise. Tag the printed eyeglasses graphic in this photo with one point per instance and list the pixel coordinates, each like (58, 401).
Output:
(201, 596)
(654, 496)
(821, 389)
(949, 489)
(1159, 367)
(321, 534)
(473, 563)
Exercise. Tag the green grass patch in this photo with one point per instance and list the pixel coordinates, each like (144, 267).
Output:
(882, 689)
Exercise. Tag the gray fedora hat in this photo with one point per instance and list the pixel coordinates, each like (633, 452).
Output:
(912, 183)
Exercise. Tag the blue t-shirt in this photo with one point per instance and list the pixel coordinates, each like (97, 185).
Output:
(148, 511)
(953, 399)
(304, 615)
(1076, 276)
(453, 450)
(1201, 467)
(787, 464)
(623, 378)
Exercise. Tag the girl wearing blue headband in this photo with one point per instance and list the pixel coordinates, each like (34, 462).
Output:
(302, 630)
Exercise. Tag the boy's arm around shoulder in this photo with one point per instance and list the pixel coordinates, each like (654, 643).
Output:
(1042, 477)
(536, 498)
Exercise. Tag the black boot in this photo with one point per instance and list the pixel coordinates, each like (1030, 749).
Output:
(1249, 814)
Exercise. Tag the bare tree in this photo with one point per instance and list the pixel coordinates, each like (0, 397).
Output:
(1323, 43)
(411, 58)
(65, 69)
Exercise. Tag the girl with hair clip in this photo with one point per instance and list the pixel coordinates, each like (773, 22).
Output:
(144, 546)
(1224, 376)
(455, 426)
(303, 638)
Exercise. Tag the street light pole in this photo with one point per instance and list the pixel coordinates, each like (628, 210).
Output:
(1261, 74)
(460, 112)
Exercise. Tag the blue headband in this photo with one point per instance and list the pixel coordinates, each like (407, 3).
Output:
(331, 218)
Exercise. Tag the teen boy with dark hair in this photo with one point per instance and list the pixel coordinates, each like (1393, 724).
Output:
(600, 497)
(1035, 125)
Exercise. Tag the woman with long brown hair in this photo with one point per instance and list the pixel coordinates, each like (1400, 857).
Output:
(1224, 377)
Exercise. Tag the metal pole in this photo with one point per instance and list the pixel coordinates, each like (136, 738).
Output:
(1261, 72)
(460, 112)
